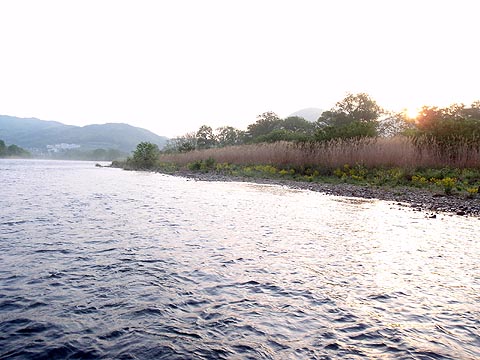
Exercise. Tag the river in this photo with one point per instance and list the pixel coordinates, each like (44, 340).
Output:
(105, 263)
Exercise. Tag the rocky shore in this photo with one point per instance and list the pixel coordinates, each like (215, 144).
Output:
(417, 199)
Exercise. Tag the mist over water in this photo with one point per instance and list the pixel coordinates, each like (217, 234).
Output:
(104, 263)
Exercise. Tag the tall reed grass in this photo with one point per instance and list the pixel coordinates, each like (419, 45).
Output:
(378, 152)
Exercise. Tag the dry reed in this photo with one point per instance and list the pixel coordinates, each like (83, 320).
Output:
(379, 152)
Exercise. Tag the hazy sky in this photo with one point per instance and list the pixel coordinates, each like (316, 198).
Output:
(171, 66)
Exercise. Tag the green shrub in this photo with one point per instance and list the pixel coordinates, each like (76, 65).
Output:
(202, 165)
(355, 129)
(447, 183)
(282, 135)
(195, 166)
(145, 156)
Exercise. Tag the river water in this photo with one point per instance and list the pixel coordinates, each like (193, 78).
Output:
(105, 263)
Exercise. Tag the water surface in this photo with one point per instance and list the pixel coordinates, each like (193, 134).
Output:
(104, 263)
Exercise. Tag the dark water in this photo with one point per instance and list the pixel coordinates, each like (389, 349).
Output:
(102, 263)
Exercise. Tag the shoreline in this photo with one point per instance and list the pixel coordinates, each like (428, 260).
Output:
(416, 199)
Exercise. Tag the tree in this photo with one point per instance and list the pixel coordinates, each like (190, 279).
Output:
(428, 116)
(3, 148)
(297, 124)
(473, 112)
(355, 129)
(353, 108)
(282, 135)
(266, 123)
(449, 130)
(205, 137)
(431, 117)
(354, 116)
(229, 136)
(145, 156)
(185, 143)
(13, 151)
(394, 123)
(454, 112)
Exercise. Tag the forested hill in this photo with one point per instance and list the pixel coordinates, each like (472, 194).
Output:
(36, 135)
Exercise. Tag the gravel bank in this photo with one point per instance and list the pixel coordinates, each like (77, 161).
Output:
(418, 199)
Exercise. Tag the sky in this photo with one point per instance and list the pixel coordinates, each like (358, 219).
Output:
(172, 66)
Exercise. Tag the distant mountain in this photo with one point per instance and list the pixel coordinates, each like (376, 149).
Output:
(310, 114)
(36, 135)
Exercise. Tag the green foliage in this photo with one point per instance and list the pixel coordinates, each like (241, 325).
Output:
(447, 184)
(229, 136)
(355, 129)
(202, 165)
(264, 171)
(145, 156)
(353, 108)
(419, 181)
(13, 151)
(267, 169)
(182, 144)
(186, 147)
(356, 116)
(205, 137)
(356, 173)
(195, 166)
(450, 129)
(210, 163)
(448, 133)
(281, 135)
(472, 191)
(447, 179)
(270, 128)
(298, 125)
(266, 123)
(224, 168)
(393, 124)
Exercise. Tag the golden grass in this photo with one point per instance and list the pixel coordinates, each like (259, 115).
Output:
(379, 152)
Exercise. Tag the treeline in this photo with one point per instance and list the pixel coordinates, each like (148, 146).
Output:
(356, 142)
(355, 116)
(12, 151)
(356, 131)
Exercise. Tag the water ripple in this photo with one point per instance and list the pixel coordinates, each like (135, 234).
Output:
(136, 266)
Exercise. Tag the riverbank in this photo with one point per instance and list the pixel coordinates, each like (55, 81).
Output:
(429, 201)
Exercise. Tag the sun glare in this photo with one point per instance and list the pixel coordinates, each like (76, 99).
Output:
(411, 113)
